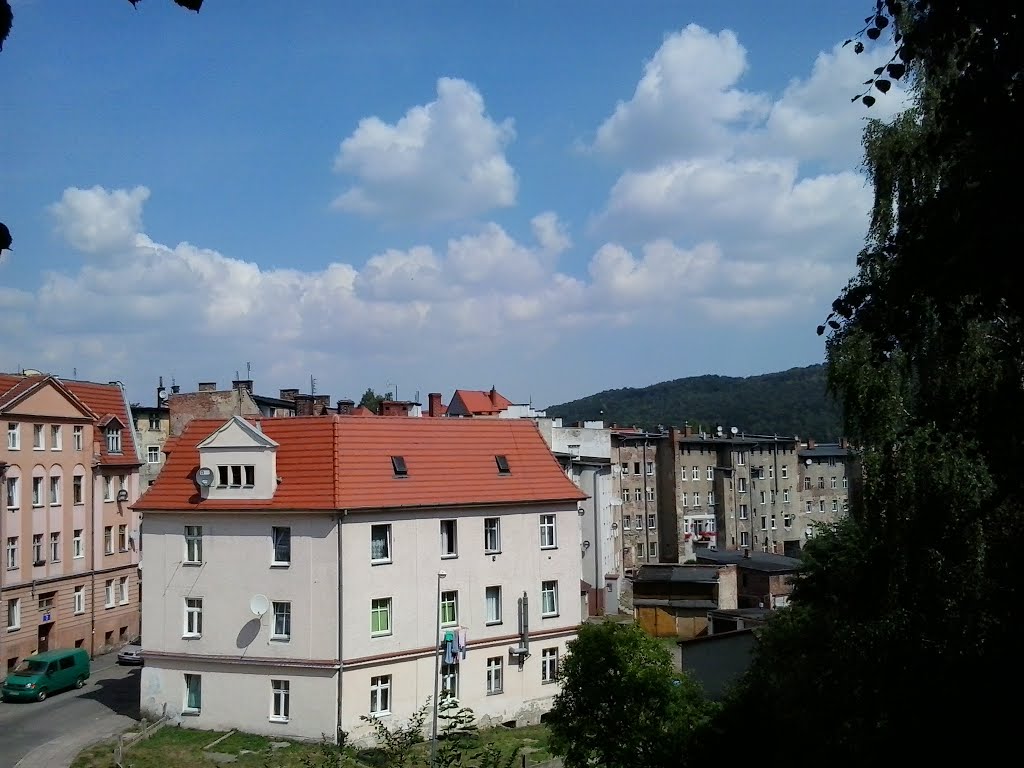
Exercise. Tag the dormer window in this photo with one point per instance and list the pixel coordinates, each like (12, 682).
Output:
(398, 465)
(502, 462)
(113, 435)
(236, 476)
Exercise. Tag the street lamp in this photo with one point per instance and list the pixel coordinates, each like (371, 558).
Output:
(437, 668)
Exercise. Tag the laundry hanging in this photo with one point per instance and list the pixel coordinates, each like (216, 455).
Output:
(449, 648)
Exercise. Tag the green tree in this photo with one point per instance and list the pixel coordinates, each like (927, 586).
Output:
(397, 745)
(372, 400)
(622, 705)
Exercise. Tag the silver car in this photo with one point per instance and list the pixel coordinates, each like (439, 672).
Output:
(130, 654)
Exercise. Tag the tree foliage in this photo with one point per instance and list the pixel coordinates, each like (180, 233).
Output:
(902, 628)
(622, 704)
(372, 400)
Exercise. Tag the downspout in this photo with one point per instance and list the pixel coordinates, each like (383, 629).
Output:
(341, 582)
(3, 509)
(90, 538)
(598, 579)
(647, 528)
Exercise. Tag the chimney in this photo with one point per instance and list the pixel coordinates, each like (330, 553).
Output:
(810, 443)
(687, 430)
(321, 403)
(394, 408)
(746, 553)
(434, 404)
(345, 407)
(494, 395)
(245, 384)
(207, 386)
(289, 394)
(303, 405)
(175, 389)
(844, 443)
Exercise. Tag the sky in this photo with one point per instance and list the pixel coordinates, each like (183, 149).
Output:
(551, 198)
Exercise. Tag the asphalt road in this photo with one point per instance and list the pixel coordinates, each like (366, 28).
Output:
(111, 693)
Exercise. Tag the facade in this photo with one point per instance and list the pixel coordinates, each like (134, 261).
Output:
(69, 465)
(153, 426)
(672, 600)
(635, 462)
(765, 580)
(302, 585)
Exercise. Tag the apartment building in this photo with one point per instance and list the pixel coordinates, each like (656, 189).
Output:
(69, 465)
(828, 475)
(635, 489)
(302, 566)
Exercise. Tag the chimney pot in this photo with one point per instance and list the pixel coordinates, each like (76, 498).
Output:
(434, 404)
(245, 384)
(289, 394)
(175, 389)
(207, 386)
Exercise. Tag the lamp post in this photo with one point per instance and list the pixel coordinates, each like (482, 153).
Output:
(437, 669)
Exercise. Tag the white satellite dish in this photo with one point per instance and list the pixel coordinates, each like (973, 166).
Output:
(204, 477)
(259, 604)
(734, 430)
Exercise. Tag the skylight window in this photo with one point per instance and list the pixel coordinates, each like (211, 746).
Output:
(502, 463)
(398, 464)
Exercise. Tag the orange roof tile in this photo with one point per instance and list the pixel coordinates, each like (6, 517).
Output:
(333, 462)
(481, 402)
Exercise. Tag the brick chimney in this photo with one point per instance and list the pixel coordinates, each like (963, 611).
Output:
(321, 404)
(207, 386)
(175, 389)
(844, 443)
(289, 394)
(494, 396)
(811, 443)
(434, 404)
(394, 408)
(687, 430)
(303, 405)
(245, 384)
(345, 407)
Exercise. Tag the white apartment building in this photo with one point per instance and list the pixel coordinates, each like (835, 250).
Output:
(259, 536)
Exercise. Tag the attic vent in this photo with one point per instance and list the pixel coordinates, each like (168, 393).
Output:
(398, 464)
(502, 463)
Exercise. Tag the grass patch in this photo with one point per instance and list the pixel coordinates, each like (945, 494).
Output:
(172, 746)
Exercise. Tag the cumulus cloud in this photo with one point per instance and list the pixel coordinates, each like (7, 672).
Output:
(441, 161)
(94, 220)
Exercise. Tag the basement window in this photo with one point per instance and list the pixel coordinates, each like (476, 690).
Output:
(398, 464)
(502, 463)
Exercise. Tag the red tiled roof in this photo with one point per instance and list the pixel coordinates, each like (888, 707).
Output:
(13, 387)
(333, 462)
(478, 401)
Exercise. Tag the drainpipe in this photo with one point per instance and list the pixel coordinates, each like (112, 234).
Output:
(647, 528)
(3, 517)
(598, 578)
(339, 518)
(90, 531)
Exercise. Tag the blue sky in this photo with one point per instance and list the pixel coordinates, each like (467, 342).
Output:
(554, 198)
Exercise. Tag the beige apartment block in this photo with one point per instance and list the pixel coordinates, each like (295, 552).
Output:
(70, 472)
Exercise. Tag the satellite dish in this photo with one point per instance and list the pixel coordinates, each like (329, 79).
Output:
(204, 477)
(259, 604)
(808, 462)
(734, 430)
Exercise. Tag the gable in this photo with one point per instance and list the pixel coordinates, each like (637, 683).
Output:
(44, 398)
(237, 434)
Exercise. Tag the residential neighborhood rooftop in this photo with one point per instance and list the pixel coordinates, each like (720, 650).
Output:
(753, 560)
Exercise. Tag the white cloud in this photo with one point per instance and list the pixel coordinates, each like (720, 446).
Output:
(94, 219)
(441, 161)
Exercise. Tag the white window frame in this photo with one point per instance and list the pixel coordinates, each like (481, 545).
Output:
(124, 589)
(741, 485)
(832, 483)
(192, 680)
(55, 546)
(193, 626)
(108, 539)
(744, 511)
(38, 438)
(711, 473)
(450, 681)
(493, 617)
(108, 594)
(279, 535)
(846, 482)
(448, 531)
(113, 438)
(386, 556)
(785, 472)
(282, 627)
(13, 436)
(495, 675)
(37, 548)
(785, 495)
(638, 495)
(549, 599)
(108, 488)
(625, 468)
(650, 494)
(652, 520)
(549, 665)
(12, 553)
(14, 614)
(453, 601)
(77, 437)
(640, 551)
(625, 495)
(122, 537)
(548, 531)
(56, 437)
(78, 490)
(78, 544)
(381, 606)
(492, 535)
(37, 490)
(744, 538)
(650, 468)
(835, 505)
(639, 523)
(11, 487)
(652, 551)
(193, 545)
(280, 701)
(153, 454)
(79, 600)
(627, 522)
(380, 695)
(696, 473)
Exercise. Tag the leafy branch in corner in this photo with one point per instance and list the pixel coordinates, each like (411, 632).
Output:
(886, 12)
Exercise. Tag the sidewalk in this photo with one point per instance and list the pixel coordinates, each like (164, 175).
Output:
(60, 752)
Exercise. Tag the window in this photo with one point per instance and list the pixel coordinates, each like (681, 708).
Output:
(650, 467)
(38, 443)
(650, 494)
(79, 600)
(835, 505)
(13, 436)
(380, 543)
(153, 454)
(821, 505)
(77, 437)
(696, 473)
(739, 458)
(193, 694)
(639, 550)
(449, 608)
(821, 482)
(711, 473)
(12, 553)
(831, 461)
(711, 498)
(122, 538)
(46, 601)
(743, 511)
(55, 547)
(77, 544)
(77, 489)
(627, 522)
(14, 613)
(764, 497)
(548, 539)
(113, 435)
(37, 491)
(56, 440)
(282, 621)
(193, 544)
(492, 535)
(785, 472)
(771, 472)
(399, 467)
(380, 695)
(638, 494)
(449, 538)
(13, 501)
(773, 521)
(625, 495)
(502, 462)
(832, 483)
(764, 523)
(807, 483)
(494, 675)
(380, 616)
(846, 505)
(236, 476)
(108, 594)
(652, 520)
(741, 485)
(772, 494)
(492, 598)
(744, 538)
(809, 532)
(625, 468)
(124, 589)
(846, 482)
(280, 696)
(549, 598)
(37, 548)
(281, 537)
(685, 499)
(807, 505)
(193, 616)
(787, 521)
(636, 467)
(108, 491)
(652, 551)
(154, 421)
(639, 522)
(549, 665)
(450, 681)
(108, 539)
(785, 495)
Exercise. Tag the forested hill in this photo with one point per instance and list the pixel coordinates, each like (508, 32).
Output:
(793, 402)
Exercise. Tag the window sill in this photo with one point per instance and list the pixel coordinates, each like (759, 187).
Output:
(108, 606)
(78, 557)
(492, 551)
(548, 682)
(79, 613)
(383, 713)
(494, 693)
(37, 506)
(381, 562)
(450, 556)
(14, 629)
(553, 546)
(493, 623)
(124, 602)
(190, 713)
(280, 565)
(54, 503)
(191, 637)
(274, 719)
(386, 634)
(280, 638)
(191, 563)
(549, 615)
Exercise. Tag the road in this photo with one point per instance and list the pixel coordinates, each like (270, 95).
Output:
(104, 705)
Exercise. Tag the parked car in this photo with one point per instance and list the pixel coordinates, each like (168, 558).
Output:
(130, 654)
(38, 676)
